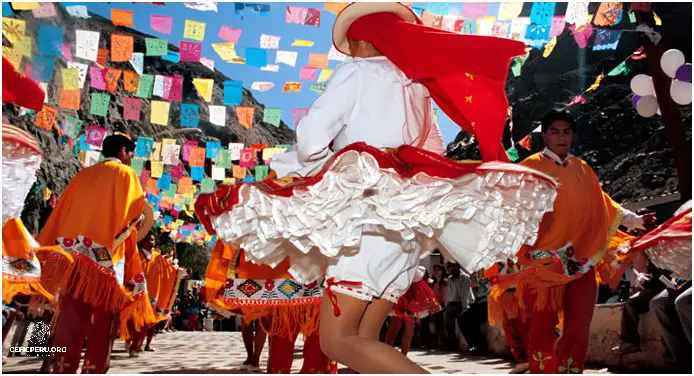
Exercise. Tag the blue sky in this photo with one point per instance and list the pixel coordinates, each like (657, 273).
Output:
(252, 26)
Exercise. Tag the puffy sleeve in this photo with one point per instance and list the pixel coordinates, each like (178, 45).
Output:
(328, 114)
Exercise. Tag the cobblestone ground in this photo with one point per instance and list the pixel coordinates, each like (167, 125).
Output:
(223, 352)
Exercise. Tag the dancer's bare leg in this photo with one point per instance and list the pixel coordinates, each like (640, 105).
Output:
(341, 341)
(407, 336)
(259, 342)
(393, 330)
(247, 335)
(150, 334)
(373, 319)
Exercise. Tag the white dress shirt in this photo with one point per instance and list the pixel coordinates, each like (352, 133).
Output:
(368, 100)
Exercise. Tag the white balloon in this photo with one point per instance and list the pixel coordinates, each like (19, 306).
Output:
(681, 92)
(647, 106)
(671, 61)
(642, 85)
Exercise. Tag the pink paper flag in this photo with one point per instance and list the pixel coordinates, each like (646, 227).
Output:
(66, 50)
(177, 171)
(558, 24)
(176, 93)
(582, 34)
(96, 78)
(144, 176)
(95, 135)
(474, 10)
(229, 34)
(298, 114)
(296, 15)
(161, 24)
(131, 108)
(167, 82)
(187, 147)
(308, 73)
(190, 51)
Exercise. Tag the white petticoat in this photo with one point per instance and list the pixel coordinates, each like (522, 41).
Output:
(477, 219)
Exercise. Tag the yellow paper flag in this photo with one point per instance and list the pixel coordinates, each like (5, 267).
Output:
(23, 46)
(13, 29)
(229, 181)
(596, 84)
(157, 168)
(24, 5)
(194, 30)
(325, 74)
(227, 52)
(160, 113)
(11, 54)
(71, 79)
(658, 21)
(204, 87)
(302, 43)
(156, 152)
(549, 47)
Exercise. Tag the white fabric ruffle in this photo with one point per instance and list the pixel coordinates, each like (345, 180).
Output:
(19, 166)
(478, 219)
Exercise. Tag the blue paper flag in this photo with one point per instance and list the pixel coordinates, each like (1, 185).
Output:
(42, 68)
(7, 10)
(83, 143)
(441, 9)
(606, 39)
(249, 180)
(143, 147)
(212, 147)
(164, 182)
(167, 219)
(189, 115)
(256, 57)
(233, 92)
(541, 13)
(172, 56)
(197, 173)
(537, 35)
(259, 9)
(50, 40)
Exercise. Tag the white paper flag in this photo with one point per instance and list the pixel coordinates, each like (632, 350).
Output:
(170, 153)
(269, 42)
(44, 87)
(235, 151)
(207, 62)
(484, 27)
(82, 70)
(158, 88)
(202, 6)
(270, 68)
(86, 44)
(218, 115)
(218, 173)
(77, 11)
(509, 10)
(137, 60)
(286, 57)
(518, 26)
(262, 86)
(577, 13)
(336, 55)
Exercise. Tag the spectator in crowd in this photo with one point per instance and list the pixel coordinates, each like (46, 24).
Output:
(459, 296)
(470, 321)
(437, 282)
(673, 308)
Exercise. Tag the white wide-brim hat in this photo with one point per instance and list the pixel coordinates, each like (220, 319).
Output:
(354, 11)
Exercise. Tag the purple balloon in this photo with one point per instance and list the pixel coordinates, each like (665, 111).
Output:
(684, 73)
(635, 100)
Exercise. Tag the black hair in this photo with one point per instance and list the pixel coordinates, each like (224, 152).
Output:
(114, 143)
(555, 115)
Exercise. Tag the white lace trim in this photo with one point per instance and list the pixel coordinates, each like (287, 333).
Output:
(479, 218)
(19, 166)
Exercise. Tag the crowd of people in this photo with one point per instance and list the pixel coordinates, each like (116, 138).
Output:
(329, 244)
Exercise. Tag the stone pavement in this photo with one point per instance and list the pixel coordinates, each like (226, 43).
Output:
(223, 352)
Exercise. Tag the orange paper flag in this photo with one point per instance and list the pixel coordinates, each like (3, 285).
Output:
(238, 172)
(130, 81)
(335, 8)
(151, 186)
(290, 87)
(46, 118)
(185, 185)
(101, 57)
(318, 60)
(112, 77)
(121, 47)
(70, 99)
(121, 17)
(245, 116)
(197, 157)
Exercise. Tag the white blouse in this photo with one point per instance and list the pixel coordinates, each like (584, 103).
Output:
(366, 100)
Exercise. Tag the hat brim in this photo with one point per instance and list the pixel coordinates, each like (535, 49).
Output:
(355, 11)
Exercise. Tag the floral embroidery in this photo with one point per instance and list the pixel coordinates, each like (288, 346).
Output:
(539, 358)
(88, 366)
(570, 367)
(61, 365)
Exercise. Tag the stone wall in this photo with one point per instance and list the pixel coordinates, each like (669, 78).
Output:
(604, 335)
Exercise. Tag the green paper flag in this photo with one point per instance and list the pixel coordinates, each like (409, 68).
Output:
(144, 90)
(261, 172)
(157, 47)
(622, 68)
(518, 64)
(272, 116)
(223, 159)
(100, 103)
(171, 192)
(632, 17)
(137, 165)
(512, 153)
(207, 185)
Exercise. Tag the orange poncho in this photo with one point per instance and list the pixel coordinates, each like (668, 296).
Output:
(100, 203)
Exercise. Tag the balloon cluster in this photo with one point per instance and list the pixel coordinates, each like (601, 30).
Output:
(673, 64)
